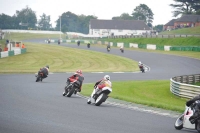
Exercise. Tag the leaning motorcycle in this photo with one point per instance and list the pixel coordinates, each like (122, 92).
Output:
(108, 49)
(39, 77)
(122, 50)
(183, 120)
(71, 88)
(88, 45)
(142, 68)
(78, 43)
(100, 96)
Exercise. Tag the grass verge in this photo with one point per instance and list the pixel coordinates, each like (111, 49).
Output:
(63, 59)
(150, 93)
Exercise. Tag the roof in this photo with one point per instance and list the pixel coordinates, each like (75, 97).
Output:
(189, 18)
(119, 24)
(170, 23)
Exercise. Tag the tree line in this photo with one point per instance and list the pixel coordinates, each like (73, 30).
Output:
(70, 22)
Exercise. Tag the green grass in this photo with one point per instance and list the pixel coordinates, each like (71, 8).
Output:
(189, 41)
(63, 59)
(198, 83)
(183, 31)
(150, 93)
(25, 36)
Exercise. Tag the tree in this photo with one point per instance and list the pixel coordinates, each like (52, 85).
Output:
(186, 7)
(158, 28)
(71, 22)
(143, 12)
(44, 22)
(6, 22)
(123, 16)
(27, 18)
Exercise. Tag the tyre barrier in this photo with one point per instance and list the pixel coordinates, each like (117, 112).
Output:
(182, 86)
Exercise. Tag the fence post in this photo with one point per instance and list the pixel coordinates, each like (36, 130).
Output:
(194, 79)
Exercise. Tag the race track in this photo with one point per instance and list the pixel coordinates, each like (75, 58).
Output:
(30, 107)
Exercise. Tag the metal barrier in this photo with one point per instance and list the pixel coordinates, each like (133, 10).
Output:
(181, 85)
(152, 36)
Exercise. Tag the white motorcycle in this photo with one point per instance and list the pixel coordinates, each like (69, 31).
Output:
(184, 122)
(100, 96)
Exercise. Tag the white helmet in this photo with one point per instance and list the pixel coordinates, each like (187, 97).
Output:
(140, 62)
(106, 77)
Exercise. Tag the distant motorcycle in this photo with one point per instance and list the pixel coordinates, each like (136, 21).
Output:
(100, 96)
(141, 68)
(78, 43)
(108, 49)
(72, 88)
(88, 45)
(122, 50)
(39, 77)
(183, 120)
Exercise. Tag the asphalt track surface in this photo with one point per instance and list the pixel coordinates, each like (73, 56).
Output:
(30, 107)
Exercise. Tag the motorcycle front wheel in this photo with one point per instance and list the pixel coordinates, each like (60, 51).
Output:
(179, 122)
(70, 91)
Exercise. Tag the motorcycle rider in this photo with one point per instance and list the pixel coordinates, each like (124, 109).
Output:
(141, 66)
(101, 84)
(76, 76)
(78, 43)
(196, 105)
(45, 71)
(121, 48)
(108, 47)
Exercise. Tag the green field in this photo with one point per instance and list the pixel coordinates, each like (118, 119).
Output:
(151, 93)
(183, 31)
(63, 59)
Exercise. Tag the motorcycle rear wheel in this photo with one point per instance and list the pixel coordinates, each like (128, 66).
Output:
(179, 122)
(100, 99)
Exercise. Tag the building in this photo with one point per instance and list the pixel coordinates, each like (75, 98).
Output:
(118, 27)
(183, 22)
(170, 25)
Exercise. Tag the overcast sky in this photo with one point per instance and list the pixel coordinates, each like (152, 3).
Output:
(103, 9)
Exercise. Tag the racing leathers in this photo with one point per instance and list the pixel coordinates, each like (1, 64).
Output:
(77, 76)
(195, 104)
(100, 85)
(44, 71)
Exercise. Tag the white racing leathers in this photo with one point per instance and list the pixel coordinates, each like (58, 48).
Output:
(100, 93)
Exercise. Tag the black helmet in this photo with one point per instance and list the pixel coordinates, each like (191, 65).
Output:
(47, 66)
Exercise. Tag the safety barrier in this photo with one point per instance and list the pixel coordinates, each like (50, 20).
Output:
(181, 85)
(12, 52)
(134, 45)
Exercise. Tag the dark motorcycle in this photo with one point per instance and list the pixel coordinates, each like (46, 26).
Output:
(141, 68)
(122, 50)
(78, 43)
(88, 45)
(71, 88)
(39, 77)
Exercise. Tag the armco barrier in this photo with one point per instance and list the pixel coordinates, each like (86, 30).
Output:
(12, 53)
(142, 46)
(181, 85)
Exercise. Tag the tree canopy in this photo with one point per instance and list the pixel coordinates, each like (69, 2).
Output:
(185, 7)
(143, 12)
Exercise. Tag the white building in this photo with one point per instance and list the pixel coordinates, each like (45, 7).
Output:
(117, 27)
